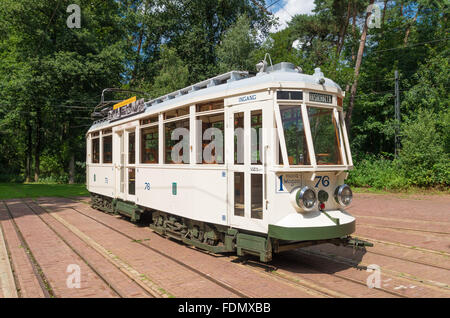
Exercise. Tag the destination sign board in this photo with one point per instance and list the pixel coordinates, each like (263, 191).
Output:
(127, 110)
(320, 98)
(125, 102)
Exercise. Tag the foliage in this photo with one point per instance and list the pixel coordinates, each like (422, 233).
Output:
(170, 64)
(237, 47)
(422, 157)
(379, 173)
(51, 76)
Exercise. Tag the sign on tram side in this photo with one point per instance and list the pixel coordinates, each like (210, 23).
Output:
(126, 108)
(320, 98)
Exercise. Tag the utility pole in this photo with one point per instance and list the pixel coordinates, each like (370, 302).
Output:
(397, 115)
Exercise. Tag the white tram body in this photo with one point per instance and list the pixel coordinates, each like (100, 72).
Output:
(263, 202)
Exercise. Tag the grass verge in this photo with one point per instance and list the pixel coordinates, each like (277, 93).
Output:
(35, 190)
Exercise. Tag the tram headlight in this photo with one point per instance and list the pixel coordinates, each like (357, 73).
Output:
(306, 198)
(343, 195)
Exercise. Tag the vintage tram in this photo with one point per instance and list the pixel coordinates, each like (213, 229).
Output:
(246, 163)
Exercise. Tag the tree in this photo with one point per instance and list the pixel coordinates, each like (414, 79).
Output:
(173, 73)
(236, 50)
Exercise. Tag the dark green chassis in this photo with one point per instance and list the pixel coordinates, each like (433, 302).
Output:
(219, 239)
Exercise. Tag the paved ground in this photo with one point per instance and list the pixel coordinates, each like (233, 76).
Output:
(55, 247)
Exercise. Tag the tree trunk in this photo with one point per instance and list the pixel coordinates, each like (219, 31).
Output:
(72, 169)
(354, 29)
(344, 30)
(29, 151)
(362, 43)
(37, 148)
(408, 30)
(384, 12)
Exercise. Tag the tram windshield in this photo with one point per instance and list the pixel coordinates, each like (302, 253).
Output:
(324, 133)
(325, 136)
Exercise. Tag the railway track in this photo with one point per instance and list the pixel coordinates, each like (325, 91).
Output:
(264, 269)
(44, 284)
(403, 229)
(108, 282)
(425, 250)
(165, 255)
(308, 286)
(330, 293)
(390, 273)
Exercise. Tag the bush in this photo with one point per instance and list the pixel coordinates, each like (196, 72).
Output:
(422, 157)
(378, 173)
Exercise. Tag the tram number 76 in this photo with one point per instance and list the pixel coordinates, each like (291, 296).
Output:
(147, 186)
(324, 179)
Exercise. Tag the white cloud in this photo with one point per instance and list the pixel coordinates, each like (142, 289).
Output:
(290, 8)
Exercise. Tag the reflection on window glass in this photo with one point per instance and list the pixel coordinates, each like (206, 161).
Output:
(239, 138)
(131, 181)
(325, 136)
(107, 149)
(149, 145)
(178, 128)
(131, 148)
(294, 135)
(257, 196)
(239, 203)
(212, 130)
(256, 137)
(96, 150)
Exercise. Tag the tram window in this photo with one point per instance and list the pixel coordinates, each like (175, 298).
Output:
(149, 145)
(176, 113)
(294, 135)
(179, 146)
(279, 158)
(131, 181)
(131, 148)
(325, 136)
(107, 149)
(209, 106)
(96, 150)
(256, 137)
(238, 138)
(212, 130)
(239, 203)
(150, 120)
(257, 196)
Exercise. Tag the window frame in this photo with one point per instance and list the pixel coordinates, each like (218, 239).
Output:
(103, 136)
(95, 136)
(141, 129)
(337, 113)
(209, 113)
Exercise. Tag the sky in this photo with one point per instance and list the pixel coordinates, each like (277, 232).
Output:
(286, 9)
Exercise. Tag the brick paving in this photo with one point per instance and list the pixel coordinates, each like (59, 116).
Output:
(54, 256)
(297, 274)
(28, 283)
(247, 281)
(7, 284)
(118, 280)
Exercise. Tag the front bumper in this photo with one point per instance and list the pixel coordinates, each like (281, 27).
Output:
(311, 233)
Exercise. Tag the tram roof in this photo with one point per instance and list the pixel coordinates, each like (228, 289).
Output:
(234, 80)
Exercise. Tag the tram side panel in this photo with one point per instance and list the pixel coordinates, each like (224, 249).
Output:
(101, 180)
(192, 193)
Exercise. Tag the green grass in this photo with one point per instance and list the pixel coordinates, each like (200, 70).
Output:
(35, 190)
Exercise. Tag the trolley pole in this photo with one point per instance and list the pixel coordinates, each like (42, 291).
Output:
(397, 115)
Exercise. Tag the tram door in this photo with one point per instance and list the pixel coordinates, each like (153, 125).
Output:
(126, 164)
(246, 173)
